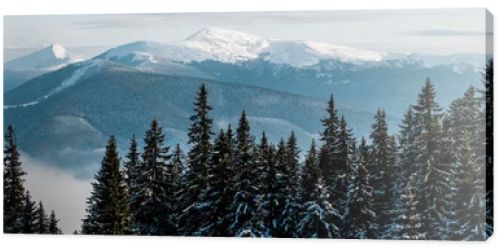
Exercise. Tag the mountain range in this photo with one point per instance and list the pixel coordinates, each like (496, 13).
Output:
(64, 114)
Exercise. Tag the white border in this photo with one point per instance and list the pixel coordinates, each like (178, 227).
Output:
(20, 7)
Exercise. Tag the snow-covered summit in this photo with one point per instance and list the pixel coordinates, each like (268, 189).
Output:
(49, 58)
(233, 46)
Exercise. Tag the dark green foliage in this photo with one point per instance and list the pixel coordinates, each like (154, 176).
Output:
(361, 217)
(382, 167)
(244, 205)
(28, 215)
(155, 193)
(214, 204)
(53, 228)
(107, 211)
(13, 185)
(41, 225)
(200, 133)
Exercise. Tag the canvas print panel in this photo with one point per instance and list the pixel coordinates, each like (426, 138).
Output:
(327, 124)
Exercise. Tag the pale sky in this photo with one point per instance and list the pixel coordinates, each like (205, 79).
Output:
(436, 31)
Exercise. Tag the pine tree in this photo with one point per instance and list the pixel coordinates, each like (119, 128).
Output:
(289, 216)
(13, 185)
(155, 193)
(131, 175)
(488, 132)
(132, 164)
(462, 157)
(107, 211)
(361, 216)
(411, 218)
(428, 141)
(330, 162)
(311, 174)
(178, 167)
(410, 181)
(265, 164)
(316, 221)
(28, 215)
(316, 214)
(244, 205)
(41, 220)
(216, 198)
(53, 228)
(200, 133)
(382, 167)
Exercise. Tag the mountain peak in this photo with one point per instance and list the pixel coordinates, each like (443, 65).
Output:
(53, 56)
(216, 33)
(58, 51)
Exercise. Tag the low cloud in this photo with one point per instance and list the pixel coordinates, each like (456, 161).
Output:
(58, 190)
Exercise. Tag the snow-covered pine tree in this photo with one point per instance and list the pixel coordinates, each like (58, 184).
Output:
(411, 219)
(329, 161)
(178, 167)
(361, 217)
(382, 167)
(406, 168)
(347, 164)
(41, 224)
(199, 156)
(131, 165)
(155, 193)
(488, 132)
(289, 216)
(216, 198)
(244, 204)
(316, 217)
(131, 175)
(53, 227)
(13, 184)
(428, 141)
(464, 155)
(311, 173)
(28, 215)
(107, 210)
(265, 164)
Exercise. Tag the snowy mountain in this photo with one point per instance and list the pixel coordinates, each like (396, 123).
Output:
(36, 63)
(89, 101)
(228, 46)
(49, 58)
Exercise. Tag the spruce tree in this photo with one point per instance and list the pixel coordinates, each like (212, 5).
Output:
(13, 184)
(131, 165)
(41, 220)
(132, 172)
(462, 156)
(178, 167)
(155, 193)
(382, 167)
(216, 198)
(289, 216)
(28, 215)
(428, 143)
(200, 133)
(311, 174)
(244, 204)
(361, 217)
(488, 132)
(265, 164)
(107, 211)
(330, 161)
(53, 228)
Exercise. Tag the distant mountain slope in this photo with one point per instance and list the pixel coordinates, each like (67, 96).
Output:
(50, 58)
(359, 78)
(70, 126)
